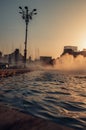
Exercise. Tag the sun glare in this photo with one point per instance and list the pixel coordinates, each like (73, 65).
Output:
(83, 43)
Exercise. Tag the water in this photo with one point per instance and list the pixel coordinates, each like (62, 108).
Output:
(49, 94)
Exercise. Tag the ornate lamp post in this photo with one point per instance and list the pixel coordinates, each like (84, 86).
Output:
(27, 16)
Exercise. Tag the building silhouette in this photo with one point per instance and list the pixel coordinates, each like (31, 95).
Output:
(15, 57)
(47, 60)
(73, 50)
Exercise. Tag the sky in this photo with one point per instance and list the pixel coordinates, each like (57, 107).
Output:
(58, 23)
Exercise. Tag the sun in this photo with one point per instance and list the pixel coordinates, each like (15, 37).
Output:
(82, 43)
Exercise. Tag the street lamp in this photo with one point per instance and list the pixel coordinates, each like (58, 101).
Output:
(27, 16)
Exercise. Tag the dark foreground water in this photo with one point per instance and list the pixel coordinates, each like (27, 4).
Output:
(52, 95)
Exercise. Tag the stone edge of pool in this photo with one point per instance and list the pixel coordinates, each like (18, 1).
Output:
(13, 119)
(12, 72)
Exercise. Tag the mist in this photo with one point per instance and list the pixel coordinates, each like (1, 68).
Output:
(69, 63)
(64, 63)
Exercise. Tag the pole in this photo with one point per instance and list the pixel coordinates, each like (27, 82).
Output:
(26, 16)
(25, 50)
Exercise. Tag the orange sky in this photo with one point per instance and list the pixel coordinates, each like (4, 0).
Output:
(58, 23)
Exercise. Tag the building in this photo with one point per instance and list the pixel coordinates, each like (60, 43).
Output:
(73, 50)
(83, 52)
(47, 60)
(15, 57)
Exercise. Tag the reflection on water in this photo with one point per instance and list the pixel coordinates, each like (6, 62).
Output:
(52, 95)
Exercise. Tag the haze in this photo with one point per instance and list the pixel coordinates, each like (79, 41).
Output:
(58, 23)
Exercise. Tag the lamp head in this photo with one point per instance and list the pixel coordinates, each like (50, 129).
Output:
(26, 7)
(35, 13)
(34, 10)
(20, 7)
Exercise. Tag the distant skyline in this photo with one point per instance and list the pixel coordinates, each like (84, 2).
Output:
(57, 24)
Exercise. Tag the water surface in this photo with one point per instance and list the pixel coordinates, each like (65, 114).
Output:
(49, 94)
